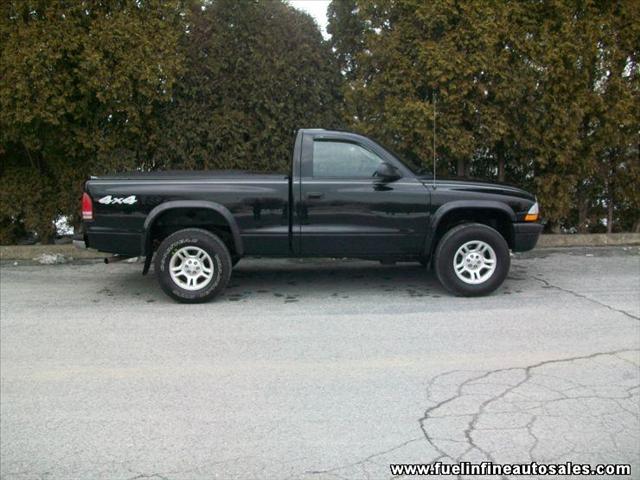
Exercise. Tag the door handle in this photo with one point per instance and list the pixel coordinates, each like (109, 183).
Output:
(314, 195)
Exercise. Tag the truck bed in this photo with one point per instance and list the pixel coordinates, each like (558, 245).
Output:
(191, 175)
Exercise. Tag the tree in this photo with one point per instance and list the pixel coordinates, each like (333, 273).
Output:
(347, 29)
(79, 86)
(541, 94)
(410, 54)
(256, 71)
(586, 121)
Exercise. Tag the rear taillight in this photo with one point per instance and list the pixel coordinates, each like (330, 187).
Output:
(87, 207)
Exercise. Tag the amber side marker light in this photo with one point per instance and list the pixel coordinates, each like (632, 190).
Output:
(533, 214)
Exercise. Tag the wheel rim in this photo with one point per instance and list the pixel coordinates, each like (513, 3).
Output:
(191, 268)
(475, 262)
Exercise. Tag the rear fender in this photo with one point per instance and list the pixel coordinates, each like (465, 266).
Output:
(154, 214)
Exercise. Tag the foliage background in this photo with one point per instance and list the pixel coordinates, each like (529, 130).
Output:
(544, 95)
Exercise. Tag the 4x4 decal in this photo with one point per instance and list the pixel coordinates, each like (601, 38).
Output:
(109, 200)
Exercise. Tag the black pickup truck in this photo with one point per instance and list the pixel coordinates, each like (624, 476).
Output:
(344, 196)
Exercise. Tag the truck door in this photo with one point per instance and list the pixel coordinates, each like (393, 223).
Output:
(344, 210)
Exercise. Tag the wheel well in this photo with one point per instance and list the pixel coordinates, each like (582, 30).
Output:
(495, 219)
(191, 217)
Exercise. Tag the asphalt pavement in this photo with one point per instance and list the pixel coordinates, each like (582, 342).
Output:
(317, 370)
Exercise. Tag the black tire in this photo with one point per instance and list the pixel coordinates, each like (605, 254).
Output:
(453, 240)
(213, 246)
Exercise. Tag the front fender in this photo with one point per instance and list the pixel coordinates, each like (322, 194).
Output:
(449, 207)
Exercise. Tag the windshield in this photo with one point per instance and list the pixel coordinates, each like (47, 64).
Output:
(414, 166)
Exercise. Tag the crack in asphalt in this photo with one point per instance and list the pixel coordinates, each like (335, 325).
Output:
(150, 475)
(548, 284)
(527, 373)
(526, 376)
(362, 462)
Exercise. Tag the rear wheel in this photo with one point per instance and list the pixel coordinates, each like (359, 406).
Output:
(472, 259)
(193, 265)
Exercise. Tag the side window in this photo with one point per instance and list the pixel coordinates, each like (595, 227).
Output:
(343, 159)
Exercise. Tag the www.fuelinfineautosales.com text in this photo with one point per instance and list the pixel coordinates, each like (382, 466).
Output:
(488, 468)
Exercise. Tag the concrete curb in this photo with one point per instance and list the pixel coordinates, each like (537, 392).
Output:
(588, 240)
(30, 252)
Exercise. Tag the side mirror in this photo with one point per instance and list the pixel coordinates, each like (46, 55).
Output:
(387, 172)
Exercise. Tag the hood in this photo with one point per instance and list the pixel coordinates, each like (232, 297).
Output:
(480, 186)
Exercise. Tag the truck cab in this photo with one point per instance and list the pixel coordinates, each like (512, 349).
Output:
(353, 198)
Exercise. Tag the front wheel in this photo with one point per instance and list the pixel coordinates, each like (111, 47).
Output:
(193, 265)
(472, 259)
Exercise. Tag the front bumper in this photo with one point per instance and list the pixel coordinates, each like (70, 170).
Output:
(525, 236)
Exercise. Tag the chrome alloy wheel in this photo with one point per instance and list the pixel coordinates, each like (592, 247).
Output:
(475, 262)
(191, 268)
